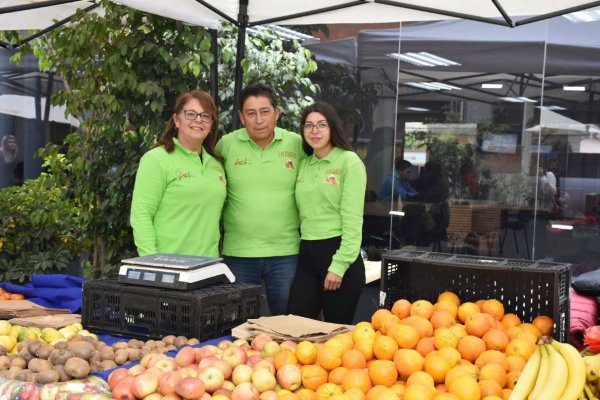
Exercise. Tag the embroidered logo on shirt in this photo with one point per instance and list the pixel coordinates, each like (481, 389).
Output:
(222, 179)
(287, 153)
(239, 162)
(216, 168)
(185, 174)
(332, 180)
(336, 171)
(289, 164)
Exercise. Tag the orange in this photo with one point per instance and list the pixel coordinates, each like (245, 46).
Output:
(365, 346)
(374, 391)
(346, 340)
(445, 396)
(477, 324)
(506, 393)
(451, 355)
(492, 356)
(307, 394)
(363, 330)
(457, 371)
(284, 356)
(444, 337)
(437, 366)
(449, 296)
(466, 309)
(544, 323)
(387, 321)
(406, 336)
(357, 379)
(313, 376)
(490, 388)
(459, 330)
(329, 357)
(337, 343)
(377, 317)
(531, 328)
(509, 320)
(383, 372)
(495, 339)
(425, 345)
(442, 319)
(399, 388)
(480, 302)
(421, 308)
(515, 363)
(386, 394)
(337, 374)
(385, 347)
(327, 390)
(465, 387)
(493, 372)
(353, 358)
(355, 394)
(420, 377)
(511, 379)
(17, 296)
(401, 308)
(470, 347)
(421, 324)
(306, 352)
(408, 361)
(448, 306)
(520, 347)
(419, 391)
(493, 307)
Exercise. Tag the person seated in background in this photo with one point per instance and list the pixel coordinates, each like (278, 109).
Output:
(468, 180)
(432, 184)
(397, 184)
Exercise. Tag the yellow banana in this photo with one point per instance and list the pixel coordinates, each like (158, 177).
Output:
(528, 377)
(556, 378)
(576, 368)
(592, 367)
(542, 373)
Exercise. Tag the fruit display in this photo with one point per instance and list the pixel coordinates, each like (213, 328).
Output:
(416, 350)
(4, 295)
(88, 389)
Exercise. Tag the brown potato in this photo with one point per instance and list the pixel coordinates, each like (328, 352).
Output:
(82, 349)
(77, 367)
(38, 364)
(4, 363)
(44, 351)
(60, 357)
(180, 341)
(34, 346)
(63, 377)
(107, 364)
(134, 354)
(47, 376)
(119, 345)
(170, 339)
(106, 353)
(121, 356)
(18, 362)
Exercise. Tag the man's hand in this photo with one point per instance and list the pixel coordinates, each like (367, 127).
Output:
(332, 281)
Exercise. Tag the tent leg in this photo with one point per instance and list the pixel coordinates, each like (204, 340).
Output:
(239, 72)
(214, 67)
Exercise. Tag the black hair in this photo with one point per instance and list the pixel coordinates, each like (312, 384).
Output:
(256, 90)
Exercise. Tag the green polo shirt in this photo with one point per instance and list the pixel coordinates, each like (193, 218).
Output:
(177, 202)
(330, 193)
(260, 216)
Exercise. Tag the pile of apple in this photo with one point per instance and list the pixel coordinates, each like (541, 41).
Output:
(235, 370)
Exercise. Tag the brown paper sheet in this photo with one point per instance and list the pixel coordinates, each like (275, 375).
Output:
(25, 308)
(48, 321)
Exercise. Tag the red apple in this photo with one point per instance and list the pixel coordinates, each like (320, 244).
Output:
(225, 368)
(137, 370)
(145, 384)
(149, 359)
(234, 355)
(253, 359)
(222, 393)
(207, 361)
(245, 391)
(223, 344)
(123, 390)
(289, 376)
(154, 396)
(116, 376)
(241, 373)
(166, 364)
(190, 371)
(205, 396)
(212, 377)
(186, 356)
(168, 381)
(171, 397)
(259, 341)
(263, 379)
(240, 342)
(190, 388)
(270, 349)
(289, 344)
(269, 395)
(206, 351)
(264, 363)
(227, 384)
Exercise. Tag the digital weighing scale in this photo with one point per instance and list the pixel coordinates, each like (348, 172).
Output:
(175, 271)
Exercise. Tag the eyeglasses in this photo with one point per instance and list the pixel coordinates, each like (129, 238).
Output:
(309, 126)
(191, 115)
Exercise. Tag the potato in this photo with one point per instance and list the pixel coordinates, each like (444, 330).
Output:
(44, 351)
(82, 349)
(18, 362)
(180, 341)
(38, 364)
(107, 364)
(4, 363)
(122, 356)
(26, 355)
(34, 346)
(119, 345)
(25, 375)
(193, 341)
(47, 376)
(134, 354)
(60, 357)
(106, 353)
(170, 339)
(135, 343)
(77, 367)
(63, 377)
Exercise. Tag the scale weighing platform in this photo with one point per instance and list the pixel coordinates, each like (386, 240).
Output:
(175, 271)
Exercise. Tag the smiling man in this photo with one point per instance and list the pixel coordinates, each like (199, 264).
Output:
(261, 219)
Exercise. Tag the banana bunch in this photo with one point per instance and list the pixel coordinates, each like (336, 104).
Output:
(592, 369)
(555, 371)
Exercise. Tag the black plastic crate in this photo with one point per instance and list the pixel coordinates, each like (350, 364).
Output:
(526, 288)
(145, 312)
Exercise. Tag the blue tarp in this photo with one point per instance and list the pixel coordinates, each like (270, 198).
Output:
(53, 291)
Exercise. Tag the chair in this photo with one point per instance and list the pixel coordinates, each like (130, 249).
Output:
(514, 220)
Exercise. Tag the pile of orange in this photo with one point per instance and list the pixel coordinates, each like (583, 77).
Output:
(4, 295)
(423, 350)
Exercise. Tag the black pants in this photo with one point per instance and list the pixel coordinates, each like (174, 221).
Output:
(308, 297)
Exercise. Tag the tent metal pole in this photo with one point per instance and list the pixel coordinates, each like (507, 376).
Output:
(214, 67)
(239, 72)
(558, 13)
(31, 6)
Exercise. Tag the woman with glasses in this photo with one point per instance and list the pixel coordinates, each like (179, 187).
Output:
(330, 193)
(180, 185)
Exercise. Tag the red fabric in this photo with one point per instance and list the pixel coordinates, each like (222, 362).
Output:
(584, 313)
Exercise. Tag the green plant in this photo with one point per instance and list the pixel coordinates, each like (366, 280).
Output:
(38, 228)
